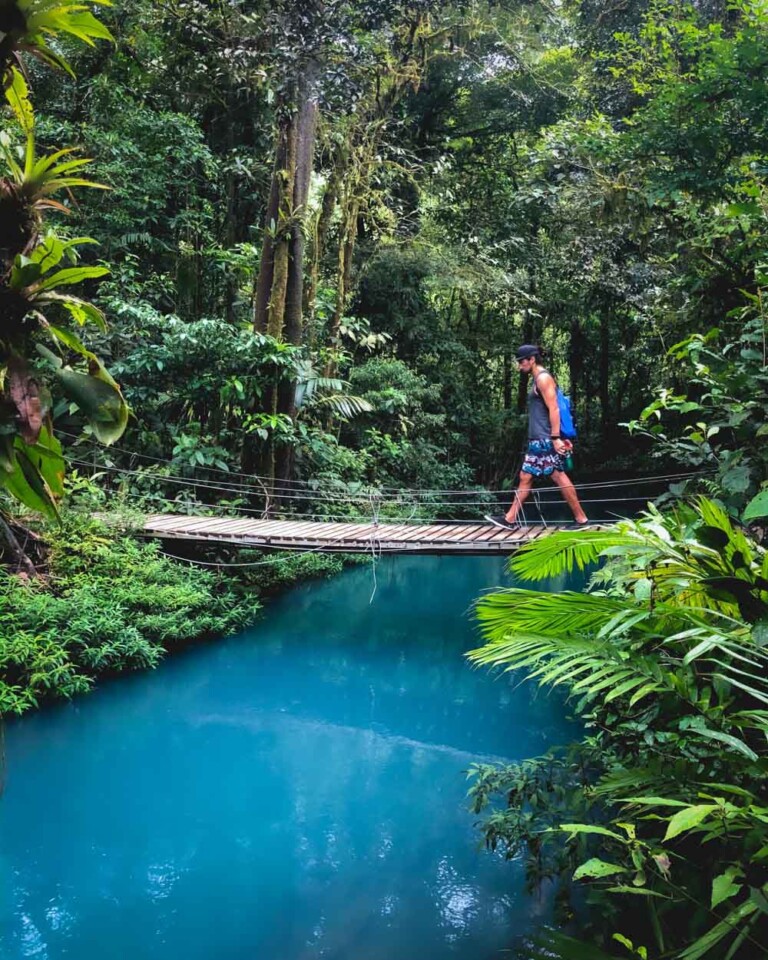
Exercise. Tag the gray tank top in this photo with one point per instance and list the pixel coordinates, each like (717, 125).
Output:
(538, 415)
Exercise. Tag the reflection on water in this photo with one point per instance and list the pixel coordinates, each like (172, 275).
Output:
(293, 793)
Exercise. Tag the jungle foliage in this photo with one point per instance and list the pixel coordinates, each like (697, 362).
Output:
(328, 226)
(37, 268)
(59, 635)
(111, 602)
(659, 812)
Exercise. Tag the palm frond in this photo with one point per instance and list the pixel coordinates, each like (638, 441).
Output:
(586, 667)
(566, 551)
(345, 406)
(532, 611)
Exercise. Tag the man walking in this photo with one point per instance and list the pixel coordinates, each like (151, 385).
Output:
(547, 449)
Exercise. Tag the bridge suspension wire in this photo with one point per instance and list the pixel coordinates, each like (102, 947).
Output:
(279, 487)
(361, 500)
(363, 495)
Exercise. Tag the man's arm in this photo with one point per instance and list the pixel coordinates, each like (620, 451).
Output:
(545, 384)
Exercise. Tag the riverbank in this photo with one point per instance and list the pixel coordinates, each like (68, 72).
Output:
(109, 602)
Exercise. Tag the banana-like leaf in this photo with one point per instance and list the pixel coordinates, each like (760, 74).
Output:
(80, 310)
(37, 477)
(69, 275)
(69, 340)
(52, 249)
(97, 395)
(17, 95)
(52, 18)
(757, 508)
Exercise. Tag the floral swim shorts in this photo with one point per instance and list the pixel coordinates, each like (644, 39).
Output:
(541, 459)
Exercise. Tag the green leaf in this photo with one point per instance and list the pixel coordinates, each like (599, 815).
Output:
(733, 742)
(70, 275)
(27, 482)
(713, 936)
(69, 340)
(597, 868)
(653, 801)
(723, 887)
(17, 95)
(589, 828)
(688, 818)
(757, 507)
(99, 400)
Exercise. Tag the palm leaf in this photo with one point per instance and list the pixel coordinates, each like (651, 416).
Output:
(566, 551)
(504, 611)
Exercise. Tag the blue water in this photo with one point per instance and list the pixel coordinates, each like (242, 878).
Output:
(293, 793)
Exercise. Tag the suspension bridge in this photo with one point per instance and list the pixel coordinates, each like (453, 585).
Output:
(349, 537)
(244, 510)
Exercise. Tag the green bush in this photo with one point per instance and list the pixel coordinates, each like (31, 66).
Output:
(110, 603)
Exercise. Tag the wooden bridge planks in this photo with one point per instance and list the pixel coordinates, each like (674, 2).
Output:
(353, 537)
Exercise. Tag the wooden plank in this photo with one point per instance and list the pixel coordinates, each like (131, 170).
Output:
(532, 532)
(357, 532)
(391, 532)
(440, 532)
(243, 526)
(396, 534)
(183, 524)
(483, 533)
(467, 533)
(352, 537)
(208, 525)
(415, 535)
(159, 522)
(295, 530)
(272, 526)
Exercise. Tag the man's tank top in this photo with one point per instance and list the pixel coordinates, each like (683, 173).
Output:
(538, 415)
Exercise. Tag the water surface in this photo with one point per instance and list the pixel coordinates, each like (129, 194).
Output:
(293, 793)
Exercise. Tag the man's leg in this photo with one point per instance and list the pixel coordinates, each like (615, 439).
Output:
(569, 494)
(521, 495)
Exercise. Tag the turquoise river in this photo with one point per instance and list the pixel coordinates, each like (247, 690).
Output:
(293, 793)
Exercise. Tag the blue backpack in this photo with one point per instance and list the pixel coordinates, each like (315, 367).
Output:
(567, 426)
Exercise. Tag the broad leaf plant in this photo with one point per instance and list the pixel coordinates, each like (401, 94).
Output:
(665, 660)
(38, 268)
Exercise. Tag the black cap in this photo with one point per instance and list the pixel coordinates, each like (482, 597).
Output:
(527, 351)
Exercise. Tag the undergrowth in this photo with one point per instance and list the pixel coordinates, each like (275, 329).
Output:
(112, 602)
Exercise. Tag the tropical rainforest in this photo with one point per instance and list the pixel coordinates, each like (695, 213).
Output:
(276, 256)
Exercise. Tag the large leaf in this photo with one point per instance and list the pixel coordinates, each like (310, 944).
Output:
(688, 819)
(563, 552)
(52, 18)
(70, 275)
(37, 477)
(17, 95)
(99, 397)
(596, 868)
(757, 507)
(723, 887)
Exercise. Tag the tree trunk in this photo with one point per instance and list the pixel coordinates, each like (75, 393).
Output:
(266, 266)
(350, 210)
(306, 131)
(282, 242)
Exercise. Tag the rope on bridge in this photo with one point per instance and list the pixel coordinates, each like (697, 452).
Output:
(298, 493)
(304, 489)
(363, 502)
